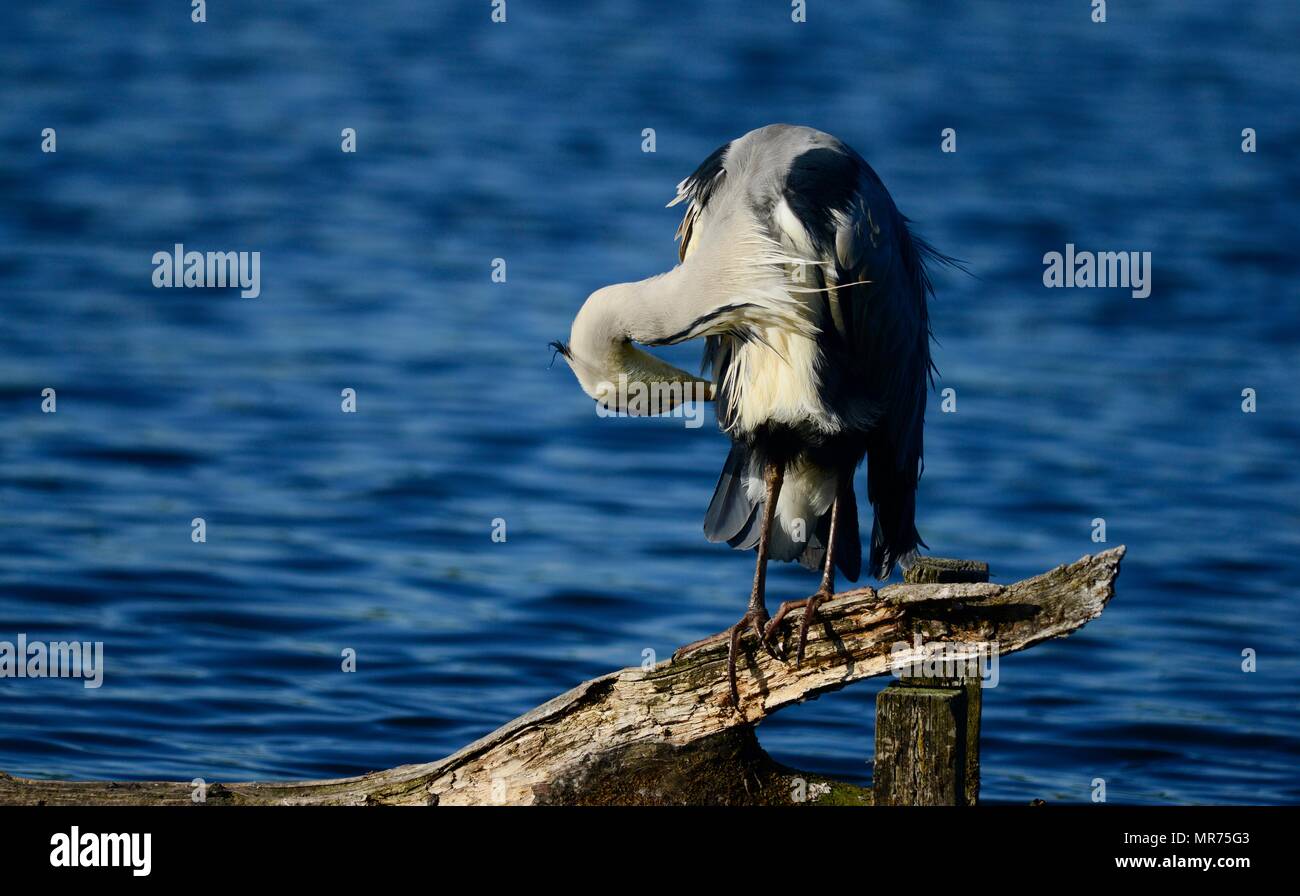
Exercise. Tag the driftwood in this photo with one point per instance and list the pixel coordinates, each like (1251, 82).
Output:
(669, 734)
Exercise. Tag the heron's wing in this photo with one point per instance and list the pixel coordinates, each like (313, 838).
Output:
(873, 313)
(875, 327)
(697, 190)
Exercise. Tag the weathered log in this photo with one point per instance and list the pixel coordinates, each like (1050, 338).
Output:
(669, 734)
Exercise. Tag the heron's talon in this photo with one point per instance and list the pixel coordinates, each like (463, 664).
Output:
(761, 623)
(809, 605)
(809, 613)
(755, 620)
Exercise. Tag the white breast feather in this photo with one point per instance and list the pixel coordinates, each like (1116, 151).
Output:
(778, 382)
(777, 379)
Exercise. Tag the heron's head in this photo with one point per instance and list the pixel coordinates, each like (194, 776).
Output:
(598, 345)
(601, 354)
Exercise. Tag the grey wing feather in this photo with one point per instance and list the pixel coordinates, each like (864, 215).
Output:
(698, 189)
(888, 329)
(876, 334)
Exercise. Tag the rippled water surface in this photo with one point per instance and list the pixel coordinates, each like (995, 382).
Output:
(523, 141)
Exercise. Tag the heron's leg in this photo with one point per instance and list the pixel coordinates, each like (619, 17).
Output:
(756, 616)
(773, 476)
(824, 593)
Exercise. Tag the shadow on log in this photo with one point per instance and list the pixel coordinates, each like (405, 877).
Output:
(669, 735)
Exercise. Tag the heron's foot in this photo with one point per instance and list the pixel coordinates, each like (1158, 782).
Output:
(756, 621)
(809, 606)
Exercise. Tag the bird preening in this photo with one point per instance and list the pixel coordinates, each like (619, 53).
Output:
(810, 292)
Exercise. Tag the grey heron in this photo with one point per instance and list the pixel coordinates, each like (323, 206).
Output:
(810, 291)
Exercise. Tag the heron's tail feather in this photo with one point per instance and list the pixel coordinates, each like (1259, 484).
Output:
(735, 514)
(731, 515)
(848, 540)
(892, 492)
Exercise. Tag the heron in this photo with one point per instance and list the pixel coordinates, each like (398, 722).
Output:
(810, 292)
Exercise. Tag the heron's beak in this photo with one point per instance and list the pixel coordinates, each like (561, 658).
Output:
(635, 382)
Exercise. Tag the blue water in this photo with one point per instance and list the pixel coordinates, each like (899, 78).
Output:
(522, 141)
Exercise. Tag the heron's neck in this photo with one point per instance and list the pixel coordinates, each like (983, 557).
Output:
(601, 349)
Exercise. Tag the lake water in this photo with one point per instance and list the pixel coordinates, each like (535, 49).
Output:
(523, 141)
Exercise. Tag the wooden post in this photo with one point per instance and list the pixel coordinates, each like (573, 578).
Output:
(928, 729)
(974, 707)
(922, 745)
